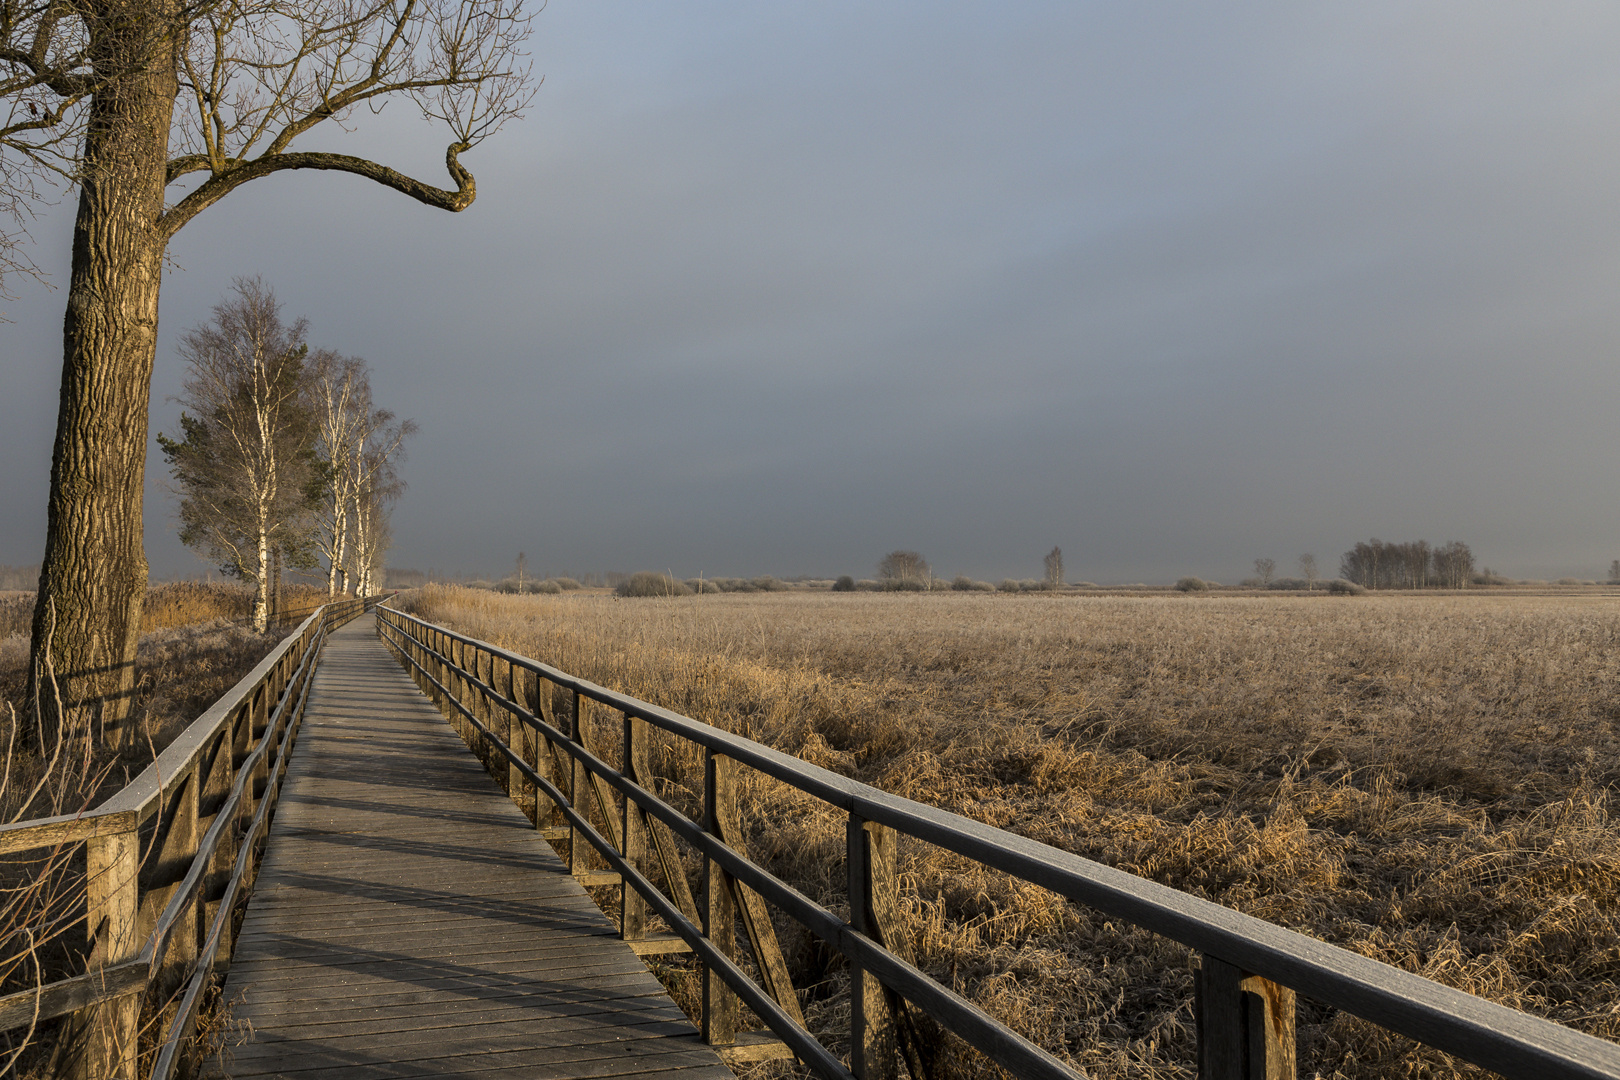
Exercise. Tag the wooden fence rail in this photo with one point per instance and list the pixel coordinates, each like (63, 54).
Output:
(532, 715)
(166, 860)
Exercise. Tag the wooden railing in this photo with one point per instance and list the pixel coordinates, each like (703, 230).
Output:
(166, 861)
(532, 716)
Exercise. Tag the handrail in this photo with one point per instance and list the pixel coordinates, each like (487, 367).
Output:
(199, 812)
(1250, 970)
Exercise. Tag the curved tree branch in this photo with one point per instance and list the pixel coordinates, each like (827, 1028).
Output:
(222, 184)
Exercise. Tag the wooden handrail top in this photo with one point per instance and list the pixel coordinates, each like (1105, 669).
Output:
(65, 829)
(1503, 1039)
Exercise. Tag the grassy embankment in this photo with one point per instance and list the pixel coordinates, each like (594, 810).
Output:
(1423, 779)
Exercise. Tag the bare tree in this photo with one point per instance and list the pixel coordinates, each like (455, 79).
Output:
(1614, 570)
(522, 565)
(1307, 570)
(373, 536)
(376, 485)
(246, 465)
(1054, 568)
(904, 570)
(341, 389)
(1453, 565)
(1412, 564)
(155, 110)
(1265, 570)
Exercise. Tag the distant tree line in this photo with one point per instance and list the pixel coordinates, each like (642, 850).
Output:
(283, 459)
(1410, 564)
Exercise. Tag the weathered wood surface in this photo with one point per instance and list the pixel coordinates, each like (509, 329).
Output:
(408, 920)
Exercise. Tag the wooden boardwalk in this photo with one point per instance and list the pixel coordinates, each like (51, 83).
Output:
(407, 921)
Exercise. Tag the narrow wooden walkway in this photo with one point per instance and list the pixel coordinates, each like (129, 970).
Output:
(408, 922)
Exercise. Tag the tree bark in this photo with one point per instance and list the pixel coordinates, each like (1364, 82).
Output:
(94, 570)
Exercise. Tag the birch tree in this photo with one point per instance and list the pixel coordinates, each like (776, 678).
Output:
(246, 466)
(155, 110)
(1308, 571)
(376, 485)
(341, 392)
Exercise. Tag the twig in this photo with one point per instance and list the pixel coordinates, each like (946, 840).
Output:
(11, 746)
(48, 672)
(39, 993)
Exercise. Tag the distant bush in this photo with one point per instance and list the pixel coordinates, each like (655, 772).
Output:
(769, 584)
(1487, 576)
(1007, 585)
(550, 588)
(1192, 584)
(1569, 581)
(1341, 587)
(963, 583)
(508, 585)
(1252, 583)
(651, 583)
(868, 585)
(845, 583)
(906, 570)
(566, 584)
(1290, 584)
(704, 585)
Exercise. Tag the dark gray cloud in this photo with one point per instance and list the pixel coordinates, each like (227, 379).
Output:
(776, 288)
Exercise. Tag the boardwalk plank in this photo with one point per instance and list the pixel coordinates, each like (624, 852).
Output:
(408, 921)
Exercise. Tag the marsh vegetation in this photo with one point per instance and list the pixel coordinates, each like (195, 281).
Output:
(1423, 779)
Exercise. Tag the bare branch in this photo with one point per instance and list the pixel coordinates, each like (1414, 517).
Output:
(260, 74)
(222, 184)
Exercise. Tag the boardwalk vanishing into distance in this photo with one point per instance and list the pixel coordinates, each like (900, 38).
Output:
(408, 920)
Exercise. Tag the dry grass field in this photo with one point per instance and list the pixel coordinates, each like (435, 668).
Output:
(1424, 779)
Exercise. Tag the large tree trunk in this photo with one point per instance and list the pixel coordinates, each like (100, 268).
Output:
(93, 579)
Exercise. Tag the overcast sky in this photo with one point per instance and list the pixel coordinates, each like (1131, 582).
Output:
(777, 288)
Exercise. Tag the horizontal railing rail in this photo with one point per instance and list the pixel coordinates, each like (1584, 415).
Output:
(167, 857)
(505, 705)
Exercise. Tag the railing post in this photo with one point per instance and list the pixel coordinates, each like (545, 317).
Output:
(258, 722)
(663, 841)
(719, 910)
(215, 791)
(458, 689)
(632, 905)
(107, 1033)
(521, 740)
(430, 665)
(511, 778)
(1245, 1025)
(173, 861)
(545, 754)
(484, 709)
(578, 781)
(873, 1043)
